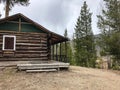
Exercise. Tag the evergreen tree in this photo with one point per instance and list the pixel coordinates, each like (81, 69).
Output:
(65, 33)
(10, 3)
(68, 46)
(109, 24)
(63, 44)
(84, 39)
(0, 15)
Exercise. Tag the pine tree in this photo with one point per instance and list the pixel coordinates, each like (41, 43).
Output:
(109, 24)
(84, 39)
(63, 44)
(10, 3)
(68, 46)
(0, 15)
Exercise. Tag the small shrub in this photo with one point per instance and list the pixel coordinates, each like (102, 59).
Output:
(103, 53)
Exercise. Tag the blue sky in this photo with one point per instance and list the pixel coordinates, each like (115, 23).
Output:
(57, 15)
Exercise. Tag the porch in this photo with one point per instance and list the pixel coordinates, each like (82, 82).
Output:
(58, 52)
(35, 66)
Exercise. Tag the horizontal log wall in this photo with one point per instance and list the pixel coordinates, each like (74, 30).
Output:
(29, 46)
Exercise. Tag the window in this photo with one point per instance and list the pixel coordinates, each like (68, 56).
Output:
(9, 42)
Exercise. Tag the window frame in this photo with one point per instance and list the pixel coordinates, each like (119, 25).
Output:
(3, 47)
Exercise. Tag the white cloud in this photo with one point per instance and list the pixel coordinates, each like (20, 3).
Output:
(1, 9)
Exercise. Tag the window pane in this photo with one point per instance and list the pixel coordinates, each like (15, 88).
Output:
(9, 42)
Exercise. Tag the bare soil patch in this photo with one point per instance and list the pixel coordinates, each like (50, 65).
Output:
(77, 78)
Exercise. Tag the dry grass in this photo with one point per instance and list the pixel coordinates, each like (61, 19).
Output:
(77, 78)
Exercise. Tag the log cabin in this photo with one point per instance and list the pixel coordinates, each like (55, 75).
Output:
(22, 39)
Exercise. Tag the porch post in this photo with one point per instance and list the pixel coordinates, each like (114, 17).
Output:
(19, 25)
(53, 52)
(66, 51)
(49, 46)
(60, 53)
(56, 53)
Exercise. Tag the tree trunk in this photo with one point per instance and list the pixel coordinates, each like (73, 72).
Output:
(7, 8)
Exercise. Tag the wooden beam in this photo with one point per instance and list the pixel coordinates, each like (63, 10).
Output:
(49, 45)
(56, 52)
(60, 53)
(16, 22)
(19, 24)
(66, 50)
(53, 52)
(44, 70)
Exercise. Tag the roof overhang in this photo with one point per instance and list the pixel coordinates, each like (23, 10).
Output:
(55, 38)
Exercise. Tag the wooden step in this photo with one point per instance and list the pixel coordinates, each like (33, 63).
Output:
(45, 64)
(36, 68)
(37, 65)
(42, 66)
(45, 70)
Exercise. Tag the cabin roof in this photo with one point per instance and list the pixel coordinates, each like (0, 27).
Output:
(56, 38)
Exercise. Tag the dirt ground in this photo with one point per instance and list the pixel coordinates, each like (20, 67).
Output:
(77, 78)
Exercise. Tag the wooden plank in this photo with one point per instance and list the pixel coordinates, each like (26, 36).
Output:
(30, 35)
(31, 55)
(31, 48)
(26, 47)
(37, 65)
(18, 22)
(42, 38)
(36, 68)
(29, 51)
(60, 52)
(23, 59)
(41, 49)
(19, 25)
(30, 44)
(53, 52)
(66, 49)
(28, 41)
(46, 70)
(45, 64)
(26, 38)
(56, 51)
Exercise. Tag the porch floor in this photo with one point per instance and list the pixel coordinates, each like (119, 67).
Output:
(29, 63)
